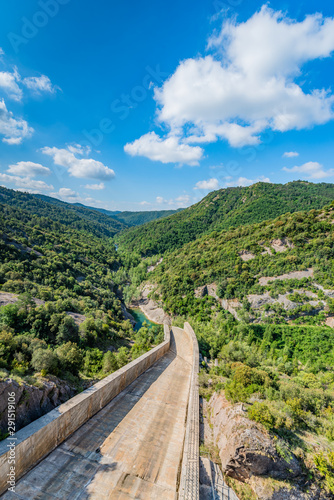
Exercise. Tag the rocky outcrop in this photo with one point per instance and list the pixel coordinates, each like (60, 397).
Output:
(128, 315)
(249, 454)
(31, 401)
(245, 448)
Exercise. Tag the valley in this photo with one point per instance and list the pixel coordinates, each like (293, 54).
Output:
(250, 268)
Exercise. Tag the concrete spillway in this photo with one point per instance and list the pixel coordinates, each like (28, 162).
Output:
(131, 449)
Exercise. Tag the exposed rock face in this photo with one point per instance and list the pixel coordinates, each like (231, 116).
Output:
(201, 291)
(245, 256)
(244, 448)
(281, 245)
(296, 275)
(128, 315)
(249, 454)
(151, 268)
(150, 308)
(32, 402)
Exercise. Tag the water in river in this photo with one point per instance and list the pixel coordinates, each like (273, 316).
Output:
(140, 317)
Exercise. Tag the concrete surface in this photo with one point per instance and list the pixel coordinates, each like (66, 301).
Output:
(189, 480)
(131, 449)
(38, 439)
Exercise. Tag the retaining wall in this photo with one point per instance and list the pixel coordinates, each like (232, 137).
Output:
(38, 439)
(189, 480)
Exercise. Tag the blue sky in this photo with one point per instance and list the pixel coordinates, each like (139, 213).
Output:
(151, 105)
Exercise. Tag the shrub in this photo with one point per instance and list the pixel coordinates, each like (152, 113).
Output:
(45, 359)
(70, 357)
(261, 412)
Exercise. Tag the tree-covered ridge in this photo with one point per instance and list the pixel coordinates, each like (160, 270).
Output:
(80, 218)
(138, 218)
(217, 258)
(61, 273)
(223, 209)
(126, 219)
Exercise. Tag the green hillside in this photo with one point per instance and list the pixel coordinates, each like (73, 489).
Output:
(231, 207)
(236, 259)
(80, 217)
(138, 218)
(60, 311)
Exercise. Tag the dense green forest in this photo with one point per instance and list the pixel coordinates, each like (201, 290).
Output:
(223, 209)
(64, 213)
(138, 218)
(217, 258)
(60, 268)
(67, 319)
(284, 376)
(127, 219)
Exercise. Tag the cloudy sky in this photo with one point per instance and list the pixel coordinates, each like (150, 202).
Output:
(146, 105)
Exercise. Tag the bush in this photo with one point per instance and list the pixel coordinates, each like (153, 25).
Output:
(70, 357)
(261, 412)
(45, 359)
(109, 363)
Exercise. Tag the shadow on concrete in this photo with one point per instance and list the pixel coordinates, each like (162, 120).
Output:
(68, 470)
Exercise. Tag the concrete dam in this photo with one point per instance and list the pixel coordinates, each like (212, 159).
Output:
(133, 435)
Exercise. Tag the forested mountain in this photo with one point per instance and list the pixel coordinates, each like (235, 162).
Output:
(276, 354)
(138, 218)
(250, 268)
(127, 219)
(223, 209)
(60, 313)
(80, 217)
(239, 260)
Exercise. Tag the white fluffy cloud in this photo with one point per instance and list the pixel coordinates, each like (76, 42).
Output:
(70, 196)
(25, 183)
(244, 181)
(79, 167)
(312, 170)
(95, 187)
(40, 84)
(13, 129)
(12, 83)
(168, 150)
(247, 84)
(210, 184)
(290, 154)
(28, 169)
(181, 201)
(9, 84)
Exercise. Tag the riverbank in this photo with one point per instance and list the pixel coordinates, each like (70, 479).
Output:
(150, 308)
(140, 318)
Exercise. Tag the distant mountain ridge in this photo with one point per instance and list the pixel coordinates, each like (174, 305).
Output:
(79, 218)
(225, 209)
(134, 218)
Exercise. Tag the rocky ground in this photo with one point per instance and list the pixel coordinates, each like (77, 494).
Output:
(152, 310)
(32, 401)
(260, 303)
(249, 455)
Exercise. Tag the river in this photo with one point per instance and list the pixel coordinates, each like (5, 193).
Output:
(140, 317)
